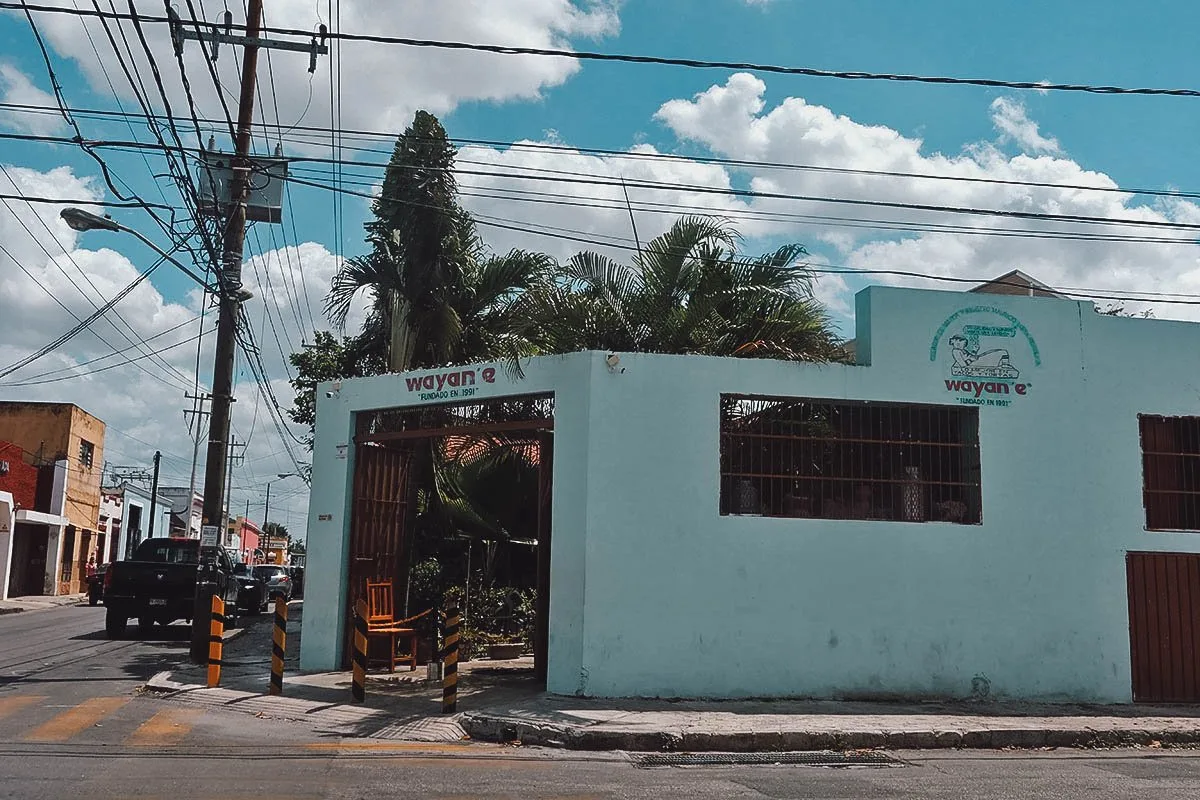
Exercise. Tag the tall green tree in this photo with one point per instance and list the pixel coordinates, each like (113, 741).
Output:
(687, 291)
(328, 358)
(439, 296)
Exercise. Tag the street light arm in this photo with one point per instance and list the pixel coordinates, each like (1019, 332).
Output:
(81, 220)
(146, 241)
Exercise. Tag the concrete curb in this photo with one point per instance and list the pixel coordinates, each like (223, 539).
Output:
(12, 610)
(485, 727)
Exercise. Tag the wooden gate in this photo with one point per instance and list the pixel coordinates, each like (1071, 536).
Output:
(1164, 626)
(377, 520)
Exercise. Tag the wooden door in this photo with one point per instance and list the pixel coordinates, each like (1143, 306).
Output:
(377, 520)
(1164, 626)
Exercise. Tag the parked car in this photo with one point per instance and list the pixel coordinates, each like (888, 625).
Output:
(297, 581)
(279, 583)
(253, 597)
(158, 585)
(95, 584)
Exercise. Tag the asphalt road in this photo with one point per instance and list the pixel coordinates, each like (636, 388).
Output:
(72, 724)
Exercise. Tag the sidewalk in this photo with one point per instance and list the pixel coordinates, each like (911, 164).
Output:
(499, 702)
(16, 605)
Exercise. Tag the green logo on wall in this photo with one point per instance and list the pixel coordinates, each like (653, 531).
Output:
(986, 349)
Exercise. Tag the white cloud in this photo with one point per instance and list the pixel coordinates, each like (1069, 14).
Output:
(382, 85)
(1010, 118)
(16, 88)
(142, 406)
(731, 120)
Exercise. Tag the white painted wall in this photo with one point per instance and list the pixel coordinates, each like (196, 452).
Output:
(7, 525)
(655, 594)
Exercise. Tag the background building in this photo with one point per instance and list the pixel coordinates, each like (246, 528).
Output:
(125, 519)
(66, 445)
(242, 537)
(187, 507)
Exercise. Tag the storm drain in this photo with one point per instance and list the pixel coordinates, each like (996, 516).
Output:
(830, 758)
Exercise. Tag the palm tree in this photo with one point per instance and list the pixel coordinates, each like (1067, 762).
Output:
(687, 291)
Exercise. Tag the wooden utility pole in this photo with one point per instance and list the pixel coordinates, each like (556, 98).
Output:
(231, 294)
(154, 496)
(229, 303)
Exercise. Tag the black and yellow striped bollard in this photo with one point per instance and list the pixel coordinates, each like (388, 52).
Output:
(278, 646)
(450, 662)
(358, 688)
(215, 646)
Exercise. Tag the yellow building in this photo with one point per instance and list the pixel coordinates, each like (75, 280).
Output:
(67, 439)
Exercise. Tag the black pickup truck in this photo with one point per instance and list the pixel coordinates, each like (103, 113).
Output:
(158, 585)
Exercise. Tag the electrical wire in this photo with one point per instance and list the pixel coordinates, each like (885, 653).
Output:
(90, 361)
(584, 237)
(583, 55)
(84, 323)
(126, 362)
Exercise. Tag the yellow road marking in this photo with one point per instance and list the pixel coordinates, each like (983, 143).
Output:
(10, 705)
(77, 719)
(164, 729)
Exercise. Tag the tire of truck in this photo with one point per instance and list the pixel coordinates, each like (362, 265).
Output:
(145, 625)
(115, 623)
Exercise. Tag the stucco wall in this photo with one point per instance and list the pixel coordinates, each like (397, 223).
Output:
(54, 430)
(654, 593)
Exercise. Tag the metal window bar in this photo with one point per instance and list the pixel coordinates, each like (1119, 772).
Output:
(1170, 472)
(833, 459)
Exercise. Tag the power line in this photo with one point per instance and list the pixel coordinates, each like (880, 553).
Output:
(627, 58)
(71, 369)
(564, 176)
(584, 237)
(136, 337)
(133, 360)
(569, 150)
(84, 323)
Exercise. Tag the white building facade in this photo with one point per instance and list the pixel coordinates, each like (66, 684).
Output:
(972, 509)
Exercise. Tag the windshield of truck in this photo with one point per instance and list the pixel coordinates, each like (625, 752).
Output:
(168, 551)
(267, 573)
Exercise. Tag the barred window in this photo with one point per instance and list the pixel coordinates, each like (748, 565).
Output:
(1170, 472)
(87, 452)
(834, 459)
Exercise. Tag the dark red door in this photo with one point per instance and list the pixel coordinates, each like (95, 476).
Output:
(376, 522)
(1164, 626)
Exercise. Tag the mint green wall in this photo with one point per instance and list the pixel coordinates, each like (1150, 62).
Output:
(655, 594)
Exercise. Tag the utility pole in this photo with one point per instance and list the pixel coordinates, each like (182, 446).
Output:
(230, 291)
(235, 460)
(227, 313)
(194, 415)
(154, 496)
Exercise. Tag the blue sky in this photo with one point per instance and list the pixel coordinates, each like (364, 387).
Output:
(1050, 137)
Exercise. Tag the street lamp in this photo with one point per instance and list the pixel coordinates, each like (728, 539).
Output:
(267, 510)
(230, 297)
(82, 221)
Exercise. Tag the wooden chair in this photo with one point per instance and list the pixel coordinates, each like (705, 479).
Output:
(381, 624)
